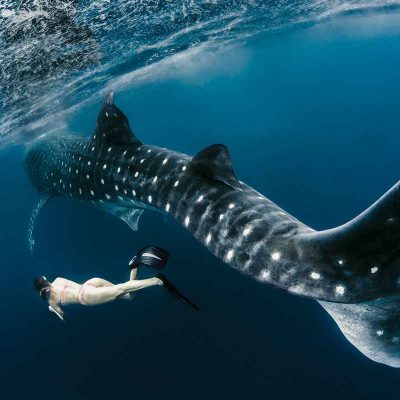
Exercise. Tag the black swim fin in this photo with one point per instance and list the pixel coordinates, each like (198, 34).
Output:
(175, 292)
(151, 256)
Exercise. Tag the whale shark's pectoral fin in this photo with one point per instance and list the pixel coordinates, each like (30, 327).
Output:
(129, 215)
(215, 162)
(112, 126)
(32, 221)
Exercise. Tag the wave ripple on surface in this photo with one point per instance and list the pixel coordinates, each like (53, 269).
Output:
(57, 54)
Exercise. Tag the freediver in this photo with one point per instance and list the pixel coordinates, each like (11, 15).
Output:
(95, 291)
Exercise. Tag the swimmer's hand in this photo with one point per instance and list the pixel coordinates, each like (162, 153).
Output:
(59, 315)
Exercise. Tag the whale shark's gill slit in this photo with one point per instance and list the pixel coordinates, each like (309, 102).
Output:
(32, 221)
(285, 229)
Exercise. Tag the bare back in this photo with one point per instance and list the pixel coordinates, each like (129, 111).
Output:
(64, 291)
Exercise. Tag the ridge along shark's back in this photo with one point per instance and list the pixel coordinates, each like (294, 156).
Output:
(113, 169)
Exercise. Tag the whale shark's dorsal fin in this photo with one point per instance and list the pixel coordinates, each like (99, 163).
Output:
(215, 162)
(112, 126)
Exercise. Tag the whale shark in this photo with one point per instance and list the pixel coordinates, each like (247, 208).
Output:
(352, 270)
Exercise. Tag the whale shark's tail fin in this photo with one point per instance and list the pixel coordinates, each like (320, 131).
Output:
(365, 251)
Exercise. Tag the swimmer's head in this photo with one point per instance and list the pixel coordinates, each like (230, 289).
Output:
(42, 285)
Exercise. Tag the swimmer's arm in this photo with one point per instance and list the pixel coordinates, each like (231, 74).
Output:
(56, 309)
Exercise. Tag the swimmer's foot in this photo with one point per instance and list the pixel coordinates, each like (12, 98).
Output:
(151, 256)
(175, 292)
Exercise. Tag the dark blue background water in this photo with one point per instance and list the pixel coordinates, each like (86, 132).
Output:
(311, 118)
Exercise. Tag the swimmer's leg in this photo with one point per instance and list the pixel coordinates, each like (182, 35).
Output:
(99, 282)
(132, 277)
(99, 295)
(151, 256)
(133, 274)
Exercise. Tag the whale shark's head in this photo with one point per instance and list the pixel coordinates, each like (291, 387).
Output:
(41, 158)
(35, 164)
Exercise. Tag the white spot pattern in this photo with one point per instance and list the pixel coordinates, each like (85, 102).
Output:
(276, 255)
(340, 290)
(229, 255)
(264, 275)
(246, 231)
(315, 275)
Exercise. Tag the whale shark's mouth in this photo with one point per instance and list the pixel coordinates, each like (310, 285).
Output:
(57, 56)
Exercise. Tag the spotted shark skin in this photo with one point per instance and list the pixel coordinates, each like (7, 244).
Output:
(354, 263)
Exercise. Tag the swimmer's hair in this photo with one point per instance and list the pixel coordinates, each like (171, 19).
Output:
(42, 285)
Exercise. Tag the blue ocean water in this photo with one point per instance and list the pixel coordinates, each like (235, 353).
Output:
(310, 116)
